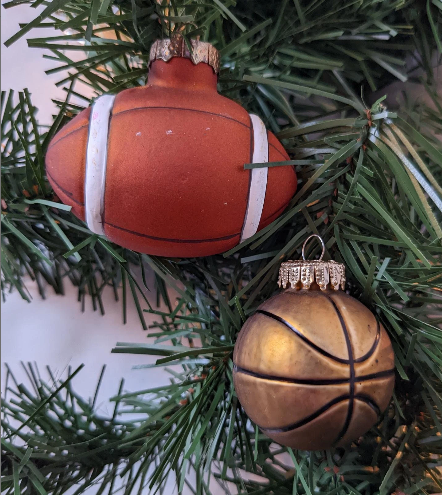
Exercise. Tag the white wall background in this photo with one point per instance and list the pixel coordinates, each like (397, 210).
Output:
(24, 67)
(54, 331)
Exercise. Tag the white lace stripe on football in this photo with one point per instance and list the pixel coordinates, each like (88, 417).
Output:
(258, 179)
(96, 160)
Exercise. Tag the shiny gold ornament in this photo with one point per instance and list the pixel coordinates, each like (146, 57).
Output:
(313, 367)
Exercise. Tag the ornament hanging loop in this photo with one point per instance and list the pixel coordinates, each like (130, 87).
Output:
(303, 274)
(305, 244)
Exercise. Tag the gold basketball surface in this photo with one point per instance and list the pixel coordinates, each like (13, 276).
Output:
(313, 369)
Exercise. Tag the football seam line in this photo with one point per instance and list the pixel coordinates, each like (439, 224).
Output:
(189, 241)
(87, 125)
(155, 108)
(229, 118)
(53, 143)
(65, 191)
(184, 109)
(276, 149)
(314, 381)
(164, 239)
(103, 211)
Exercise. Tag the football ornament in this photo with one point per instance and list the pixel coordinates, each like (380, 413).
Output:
(160, 169)
(313, 367)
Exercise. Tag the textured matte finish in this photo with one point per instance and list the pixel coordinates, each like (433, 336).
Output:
(313, 369)
(176, 184)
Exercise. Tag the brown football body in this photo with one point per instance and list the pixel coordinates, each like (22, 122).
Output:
(313, 369)
(175, 180)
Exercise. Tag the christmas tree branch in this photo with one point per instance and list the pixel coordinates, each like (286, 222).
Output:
(369, 184)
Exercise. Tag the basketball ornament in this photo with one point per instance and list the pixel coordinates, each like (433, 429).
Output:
(160, 169)
(313, 367)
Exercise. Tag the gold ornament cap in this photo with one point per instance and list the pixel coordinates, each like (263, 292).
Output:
(301, 274)
(201, 52)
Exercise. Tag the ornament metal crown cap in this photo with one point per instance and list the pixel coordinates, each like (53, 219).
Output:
(175, 46)
(301, 274)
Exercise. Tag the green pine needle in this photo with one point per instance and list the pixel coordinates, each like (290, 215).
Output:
(369, 184)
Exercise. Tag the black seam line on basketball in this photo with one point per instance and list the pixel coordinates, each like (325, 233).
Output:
(373, 347)
(63, 189)
(370, 402)
(184, 241)
(303, 337)
(250, 176)
(352, 372)
(314, 381)
(370, 351)
(363, 398)
(186, 109)
(306, 420)
(67, 135)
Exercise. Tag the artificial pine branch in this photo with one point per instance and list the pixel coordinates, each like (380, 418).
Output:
(370, 185)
